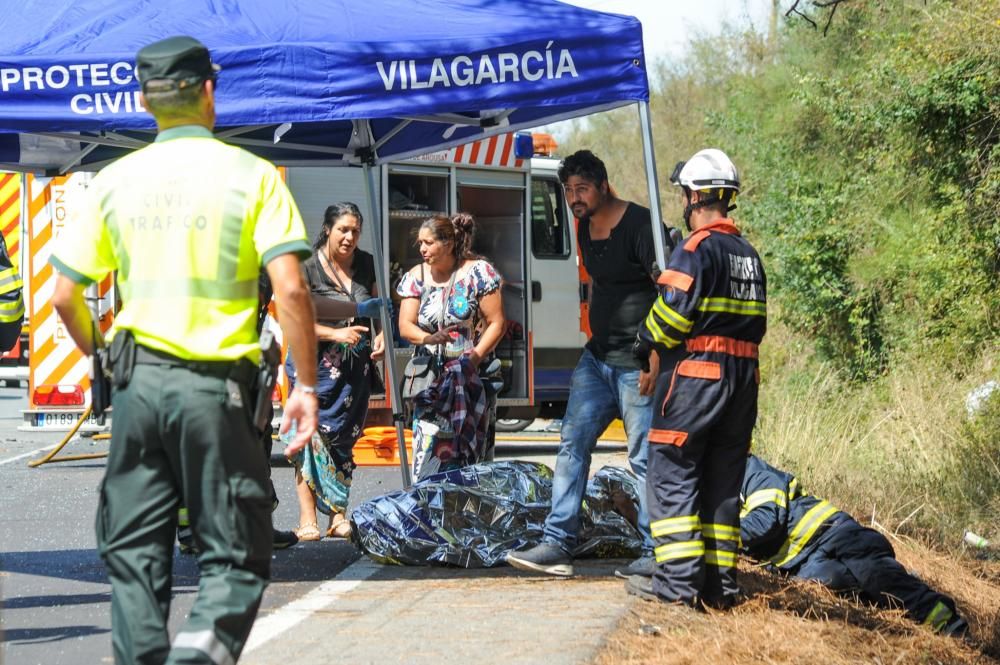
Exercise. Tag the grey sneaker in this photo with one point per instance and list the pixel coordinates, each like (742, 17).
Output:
(644, 566)
(638, 585)
(543, 558)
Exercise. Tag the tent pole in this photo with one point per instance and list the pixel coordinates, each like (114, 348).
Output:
(652, 184)
(382, 279)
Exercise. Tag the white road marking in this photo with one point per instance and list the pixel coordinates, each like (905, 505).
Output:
(23, 455)
(297, 611)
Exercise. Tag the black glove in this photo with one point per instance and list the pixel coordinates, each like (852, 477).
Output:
(640, 351)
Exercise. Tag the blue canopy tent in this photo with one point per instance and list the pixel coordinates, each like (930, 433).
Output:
(324, 82)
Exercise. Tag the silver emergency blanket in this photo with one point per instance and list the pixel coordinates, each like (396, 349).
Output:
(472, 517)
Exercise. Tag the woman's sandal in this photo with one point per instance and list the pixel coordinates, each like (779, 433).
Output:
(340, 527)
(308, 532)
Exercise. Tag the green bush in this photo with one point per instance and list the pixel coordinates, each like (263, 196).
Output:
(871, 187)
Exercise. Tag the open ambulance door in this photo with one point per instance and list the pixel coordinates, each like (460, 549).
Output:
(415, 190)
(556, 289)
(498, 200)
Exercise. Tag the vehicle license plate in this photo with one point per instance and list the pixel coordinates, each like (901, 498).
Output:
(61, 420)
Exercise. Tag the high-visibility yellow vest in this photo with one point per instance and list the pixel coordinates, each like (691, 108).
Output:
(186, 222)
(11, 296)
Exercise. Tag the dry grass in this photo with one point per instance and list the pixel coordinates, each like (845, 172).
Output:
(786, 622)
(897, 451)
(900, 454)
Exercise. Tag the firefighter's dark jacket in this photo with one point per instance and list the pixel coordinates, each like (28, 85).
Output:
(714, 287)
(779, 523)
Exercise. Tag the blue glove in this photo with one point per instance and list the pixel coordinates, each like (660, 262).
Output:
(372, 309)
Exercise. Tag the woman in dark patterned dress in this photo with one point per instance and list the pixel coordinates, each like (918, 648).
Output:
(323, 470)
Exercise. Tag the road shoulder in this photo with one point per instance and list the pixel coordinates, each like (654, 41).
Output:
(418, 615)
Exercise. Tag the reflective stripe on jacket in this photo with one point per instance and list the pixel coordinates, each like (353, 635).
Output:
(779, 523)
(715, 286)
(11, 290)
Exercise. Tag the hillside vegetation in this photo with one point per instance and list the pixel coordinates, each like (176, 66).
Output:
(871, 187)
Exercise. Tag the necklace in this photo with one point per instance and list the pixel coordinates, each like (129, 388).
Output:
(332, 265)
(600, 246)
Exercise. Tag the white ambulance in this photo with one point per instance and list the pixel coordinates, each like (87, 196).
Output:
(523, 227)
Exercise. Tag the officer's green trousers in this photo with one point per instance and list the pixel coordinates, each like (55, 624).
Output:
(180, 436)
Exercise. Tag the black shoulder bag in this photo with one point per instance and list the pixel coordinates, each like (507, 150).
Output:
(422, 369)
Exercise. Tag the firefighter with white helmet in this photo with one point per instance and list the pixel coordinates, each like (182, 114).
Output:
(710, 173)
(712, 301)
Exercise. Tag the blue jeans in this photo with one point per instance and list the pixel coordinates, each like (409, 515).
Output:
(598, 394)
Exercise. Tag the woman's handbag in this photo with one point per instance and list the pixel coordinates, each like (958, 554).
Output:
(420, 373)
(422, 369)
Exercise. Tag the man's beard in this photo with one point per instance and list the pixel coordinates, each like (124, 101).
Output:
(588, 212)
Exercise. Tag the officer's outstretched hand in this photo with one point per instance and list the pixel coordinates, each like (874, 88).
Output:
(372, 309)
(301, 408)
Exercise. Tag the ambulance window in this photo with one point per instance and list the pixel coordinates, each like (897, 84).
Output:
(550, 237)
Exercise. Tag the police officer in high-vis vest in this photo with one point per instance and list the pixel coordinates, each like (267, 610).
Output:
(11, 300)
(187, 222)
(712, 300)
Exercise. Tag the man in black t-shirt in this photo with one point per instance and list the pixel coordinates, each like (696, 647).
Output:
(617, 249)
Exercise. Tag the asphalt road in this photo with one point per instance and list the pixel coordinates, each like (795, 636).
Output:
(54, 589)
(54, 592)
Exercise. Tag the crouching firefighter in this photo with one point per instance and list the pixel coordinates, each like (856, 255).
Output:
(801, 535)
(711, 301)
(184, 354)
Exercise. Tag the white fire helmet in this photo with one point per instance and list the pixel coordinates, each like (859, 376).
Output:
(707, 169)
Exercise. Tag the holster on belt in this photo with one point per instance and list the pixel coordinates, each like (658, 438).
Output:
(111, 367)
(267, 376)
(121, 358)
(100, 383)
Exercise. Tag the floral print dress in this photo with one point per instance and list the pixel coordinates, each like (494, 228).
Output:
(433, 435)
(343, 386)
(462, 306)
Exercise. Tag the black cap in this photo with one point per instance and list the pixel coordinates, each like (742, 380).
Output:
(182, 60)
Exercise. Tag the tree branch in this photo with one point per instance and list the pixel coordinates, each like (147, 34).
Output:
(794, 9)
(832, 5)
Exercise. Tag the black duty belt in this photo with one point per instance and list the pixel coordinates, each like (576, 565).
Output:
(241, 370)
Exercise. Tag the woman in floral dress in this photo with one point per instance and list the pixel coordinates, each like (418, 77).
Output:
(452, 309)
(323, 470)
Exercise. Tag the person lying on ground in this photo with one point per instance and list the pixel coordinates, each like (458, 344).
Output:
(798, 534)
(808, 538)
